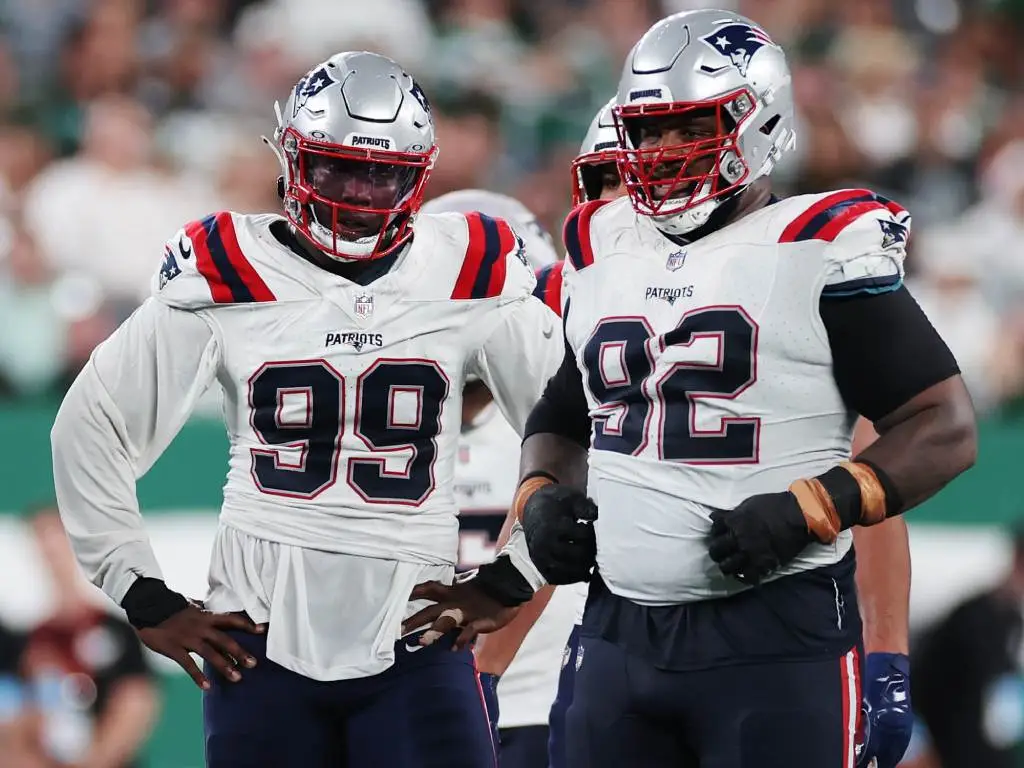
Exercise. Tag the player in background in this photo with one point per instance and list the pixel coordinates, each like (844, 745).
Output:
(595, 175)
(519, 691)
(723, 339)
(341, 334)
(883, 593)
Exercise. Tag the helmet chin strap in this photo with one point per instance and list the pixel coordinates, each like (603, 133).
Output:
(678, 227)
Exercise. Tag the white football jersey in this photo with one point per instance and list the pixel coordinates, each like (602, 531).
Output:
(342, 404)
(708, 372)
(486, 475)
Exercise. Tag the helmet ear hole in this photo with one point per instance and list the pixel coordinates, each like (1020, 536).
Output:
(280, 187)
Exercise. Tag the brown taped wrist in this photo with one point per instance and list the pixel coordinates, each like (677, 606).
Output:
(529, 485)
(847, 495)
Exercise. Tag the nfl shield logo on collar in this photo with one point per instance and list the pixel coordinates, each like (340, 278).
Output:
(364, 305)
(675, 260)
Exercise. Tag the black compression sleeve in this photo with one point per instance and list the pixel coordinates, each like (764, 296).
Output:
(150, 602)
(562, 409)
(884, 350)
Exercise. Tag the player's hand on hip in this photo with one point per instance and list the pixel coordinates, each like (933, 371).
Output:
(194, 630)
(760, 535)
(462, 606)
(886, 716)
(558, 522)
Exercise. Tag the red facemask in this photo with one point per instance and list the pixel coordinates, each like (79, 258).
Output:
(672, 178)
(353, 203)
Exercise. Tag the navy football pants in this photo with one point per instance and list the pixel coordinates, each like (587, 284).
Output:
(766, 678)
(557, 757)
(524, 747)
(426, 711)
(628, 714)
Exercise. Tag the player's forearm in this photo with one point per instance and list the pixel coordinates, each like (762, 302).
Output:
(494, 652)
(883, 572)
(927, 442)
(555, 455)
(94, 480)
(883, 585)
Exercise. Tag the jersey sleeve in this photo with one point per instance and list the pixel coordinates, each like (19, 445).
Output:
(866, 241)
(119, 415)
(203, 265)
(519, 356)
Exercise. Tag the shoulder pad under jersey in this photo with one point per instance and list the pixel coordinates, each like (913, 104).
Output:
(863, 237)
(204, 266)
(549, 286)
(577, 234)
(489, 258)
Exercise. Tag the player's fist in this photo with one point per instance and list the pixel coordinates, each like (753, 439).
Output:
(886, 715)
(761, 534)
(558, 522)
(194, 630)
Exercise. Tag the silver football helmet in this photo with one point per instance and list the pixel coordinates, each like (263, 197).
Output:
(720, 89)
(540, 248)
(598, 148)
(356, 145)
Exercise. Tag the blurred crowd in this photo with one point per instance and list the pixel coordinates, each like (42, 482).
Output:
(76, 689)
(122, 119)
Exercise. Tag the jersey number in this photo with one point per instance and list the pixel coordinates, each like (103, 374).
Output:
(620, 360)
(398, 412)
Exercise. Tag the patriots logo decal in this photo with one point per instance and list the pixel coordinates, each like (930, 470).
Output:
(310, 86)
(738, 43)
(420, 96)
(892, 233)
(169, 269)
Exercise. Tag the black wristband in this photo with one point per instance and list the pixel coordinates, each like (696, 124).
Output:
(150, 602)
(502, 582)
(538, 473)
(893, 499)
(845, 493)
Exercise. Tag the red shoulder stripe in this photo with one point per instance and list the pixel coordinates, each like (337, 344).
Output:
(576, 234)
(846, 217)
(894, 208)
(249, 277)
(219, 290)
(809, 223)
(483, 269)
(219, 259)
(507, 243)
(549, 286)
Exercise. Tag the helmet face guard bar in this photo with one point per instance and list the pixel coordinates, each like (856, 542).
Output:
(581, 191)
(673, 178)
(337, 194)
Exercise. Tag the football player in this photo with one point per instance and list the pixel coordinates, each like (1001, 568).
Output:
(520, 690)
(595, 175)
(341, 334)
(719, 342)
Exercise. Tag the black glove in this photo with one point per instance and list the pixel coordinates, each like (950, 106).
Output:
(559, 525)
(763, 533)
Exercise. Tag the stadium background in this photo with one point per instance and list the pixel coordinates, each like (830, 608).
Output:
(122, 119)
